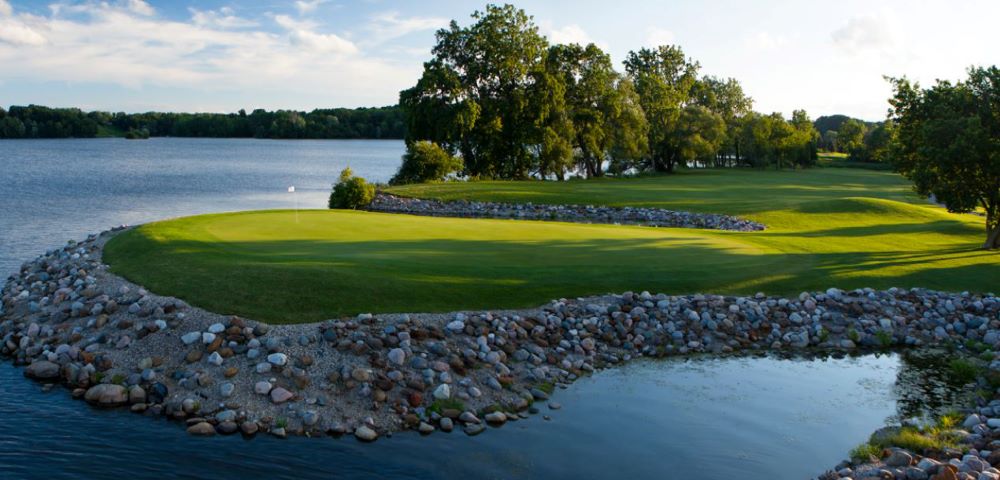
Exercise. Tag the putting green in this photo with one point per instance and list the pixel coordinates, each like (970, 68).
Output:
(844, 228)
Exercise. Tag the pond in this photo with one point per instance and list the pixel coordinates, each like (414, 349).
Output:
(735, 417)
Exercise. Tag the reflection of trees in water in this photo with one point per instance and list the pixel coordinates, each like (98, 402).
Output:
(923, 386)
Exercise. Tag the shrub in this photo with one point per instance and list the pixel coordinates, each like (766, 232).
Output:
(864, 452)
(439, 406)
(963, 371)
(424, 162)
(351, 192)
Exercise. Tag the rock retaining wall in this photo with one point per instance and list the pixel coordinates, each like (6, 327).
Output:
(654, 217)
(68, 320)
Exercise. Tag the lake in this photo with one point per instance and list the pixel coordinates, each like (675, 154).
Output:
(52, 191)
(737, 417)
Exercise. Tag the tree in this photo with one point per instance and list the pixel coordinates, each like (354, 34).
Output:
(663, 78)
(803, 144)
(725, 98)
(479, 84)
(423, 162)
(351, 192)
(699, 135)
(851, 134)
(947, 141)
(875, 147)
(630, 129)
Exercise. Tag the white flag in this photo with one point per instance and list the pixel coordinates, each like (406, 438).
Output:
(291, 189)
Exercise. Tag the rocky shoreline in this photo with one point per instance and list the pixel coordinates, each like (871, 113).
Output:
(69, 320)
(652, 217)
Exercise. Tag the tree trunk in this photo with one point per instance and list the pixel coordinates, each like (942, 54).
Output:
(993, 238)
(992, 231)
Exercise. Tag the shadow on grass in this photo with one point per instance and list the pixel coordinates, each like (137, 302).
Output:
(311, 280)
(940, 227)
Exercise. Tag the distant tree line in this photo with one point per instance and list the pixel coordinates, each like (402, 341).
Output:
(508, 104)
(36, 121)
(862, 141)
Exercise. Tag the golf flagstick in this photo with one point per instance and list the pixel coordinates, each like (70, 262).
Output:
(292, 191)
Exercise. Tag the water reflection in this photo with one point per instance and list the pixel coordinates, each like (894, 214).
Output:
(752, 417)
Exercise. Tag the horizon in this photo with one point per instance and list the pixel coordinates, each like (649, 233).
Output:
(219, 57)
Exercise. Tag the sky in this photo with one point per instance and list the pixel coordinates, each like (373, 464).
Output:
(219, 56)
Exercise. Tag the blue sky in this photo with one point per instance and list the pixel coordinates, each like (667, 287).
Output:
(134, 55)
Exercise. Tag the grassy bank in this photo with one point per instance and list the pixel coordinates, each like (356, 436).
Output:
(845, 228)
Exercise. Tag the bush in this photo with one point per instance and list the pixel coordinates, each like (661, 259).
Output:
(351, 192)
(424, 162)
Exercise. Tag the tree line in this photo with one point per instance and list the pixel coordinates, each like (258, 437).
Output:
(36, 121)
(508, 104)
(862, 141)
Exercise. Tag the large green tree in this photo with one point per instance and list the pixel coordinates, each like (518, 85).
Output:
(603, 109)
(947, 141)
(726, 98)
(851, 134)
(663, 78)
(476, 95)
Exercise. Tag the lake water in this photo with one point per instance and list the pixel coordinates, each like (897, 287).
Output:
(52, 191)
(748, 418)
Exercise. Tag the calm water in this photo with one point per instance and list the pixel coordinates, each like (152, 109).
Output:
(750, 418)
(52, 191)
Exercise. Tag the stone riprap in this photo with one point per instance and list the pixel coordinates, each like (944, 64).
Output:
(652, 217)
(67, 319)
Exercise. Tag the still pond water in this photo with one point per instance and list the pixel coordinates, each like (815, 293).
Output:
(743, 417)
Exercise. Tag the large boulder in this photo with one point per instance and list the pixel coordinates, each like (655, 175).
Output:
(42, 370)
(107, 395)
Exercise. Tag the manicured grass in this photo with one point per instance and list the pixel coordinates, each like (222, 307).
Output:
(844, 228)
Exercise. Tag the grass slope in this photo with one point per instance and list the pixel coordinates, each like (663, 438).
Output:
(846, 228)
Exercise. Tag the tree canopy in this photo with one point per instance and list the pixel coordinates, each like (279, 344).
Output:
(36, 121)
(946, 139)
(498, 96)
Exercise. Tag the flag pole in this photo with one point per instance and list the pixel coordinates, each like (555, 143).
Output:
(296, 200)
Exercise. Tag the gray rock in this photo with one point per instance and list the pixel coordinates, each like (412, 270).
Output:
(201, 429)
(106, 395)
(262, 387)
(42, 370)
(446, 424)
(899, 458)
(277, 359)
(495, 418)
(365, 434)
(226, 389)
(397, 356)
(280, 395)
(215, 359)
(442, 392)
(190, 337)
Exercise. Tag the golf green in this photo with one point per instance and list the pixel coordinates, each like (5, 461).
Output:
(826, 227)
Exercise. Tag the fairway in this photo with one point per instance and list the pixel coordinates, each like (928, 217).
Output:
(845, 228)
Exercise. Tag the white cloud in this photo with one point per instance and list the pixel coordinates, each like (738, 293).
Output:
(224, 17)
(303, 34)
(568, 34)
(656, 36)
(140, 7)
(5, 9)
(306, 6)
(111, 43)
(390, 25)
(19, 33)
(878, 34)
